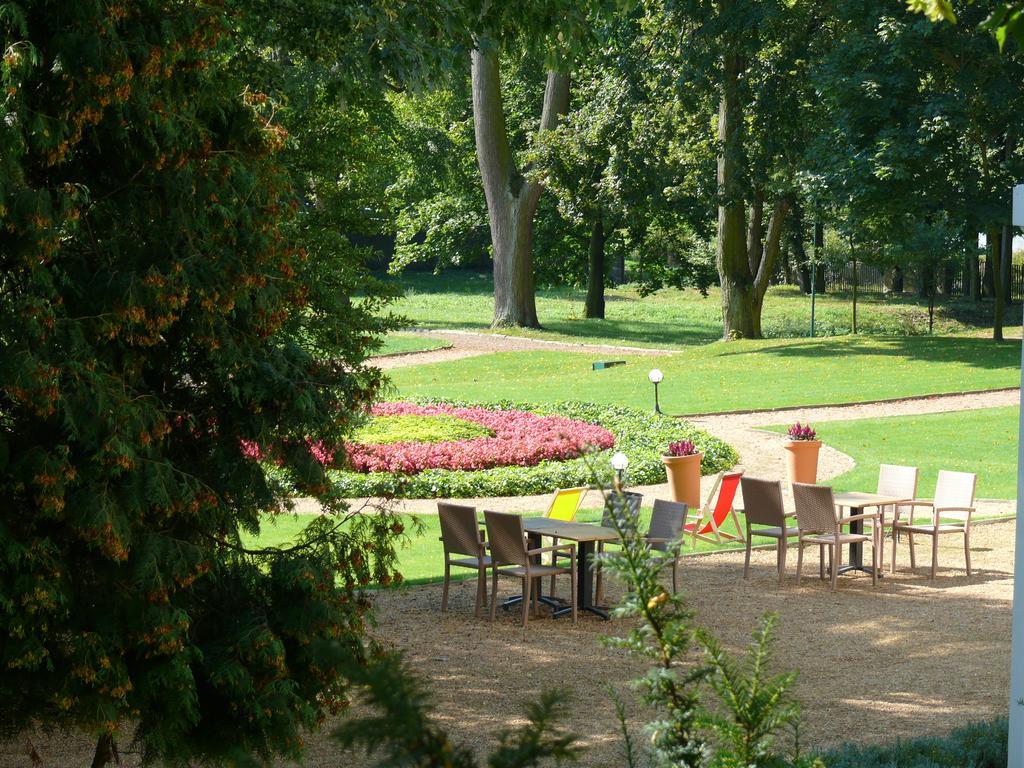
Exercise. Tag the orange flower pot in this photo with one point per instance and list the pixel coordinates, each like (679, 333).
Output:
(684, 478)
(802, 460)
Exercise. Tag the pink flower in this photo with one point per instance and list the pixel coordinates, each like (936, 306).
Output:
(520, 438)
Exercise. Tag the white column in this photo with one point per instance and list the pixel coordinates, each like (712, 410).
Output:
(1016, 745)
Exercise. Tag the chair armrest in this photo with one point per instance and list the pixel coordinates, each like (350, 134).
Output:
(916, 503)
(954, 509)
(789, 514)
(864, 516)
(657, 540)
(558, 548)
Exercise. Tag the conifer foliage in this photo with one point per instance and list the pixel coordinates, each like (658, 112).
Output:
(159, 347)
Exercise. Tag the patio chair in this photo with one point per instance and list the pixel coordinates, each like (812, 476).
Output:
(818, 524)
(762, 506)
(725, 484)
(509, 547)
(461, 535)
(565, 503)
(613, 510)
(664, 531)
(893, 480)
(954, 502)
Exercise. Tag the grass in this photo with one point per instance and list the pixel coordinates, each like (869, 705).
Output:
(399, 343)
(422, 561)
(978, 745)
(731, 376)
(672, 318)
(982, 441)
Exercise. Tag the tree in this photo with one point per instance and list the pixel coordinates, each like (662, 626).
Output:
(553, 31)
(165, 337)
(746, 59)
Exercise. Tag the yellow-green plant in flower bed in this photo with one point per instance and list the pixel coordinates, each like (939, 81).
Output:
(383, 430)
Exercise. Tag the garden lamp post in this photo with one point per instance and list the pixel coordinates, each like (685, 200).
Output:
(1016, 742)
(619, 463)
(655, 377)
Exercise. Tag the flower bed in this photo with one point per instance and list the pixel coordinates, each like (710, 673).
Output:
(517, 437)
(641, 435)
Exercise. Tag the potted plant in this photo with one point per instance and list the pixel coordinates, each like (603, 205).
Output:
(682, 463)
(802, 454)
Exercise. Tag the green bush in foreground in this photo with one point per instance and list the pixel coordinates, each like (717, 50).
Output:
(978, 745)
(641, 435)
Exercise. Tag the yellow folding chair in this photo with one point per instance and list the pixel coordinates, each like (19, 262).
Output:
(565, 503)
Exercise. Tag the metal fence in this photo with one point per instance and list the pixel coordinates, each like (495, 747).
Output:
(954, 282)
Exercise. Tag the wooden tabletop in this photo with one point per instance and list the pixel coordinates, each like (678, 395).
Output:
(569, 531)
(860, 499)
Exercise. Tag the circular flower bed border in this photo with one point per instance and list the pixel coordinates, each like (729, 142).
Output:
(641, 435)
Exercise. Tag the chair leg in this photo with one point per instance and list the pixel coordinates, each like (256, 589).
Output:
(675, 574)
(875, 537)
(910, 541)
(598, 577)
(481, 587)
(895, 541)
(821, 561)
(783, 545)
(572, 586)
(837, 562)
(799, 560)
(444, 592)
(935, 552)
(527, 583)
(494, 594)
(746, 557)
(967, 548)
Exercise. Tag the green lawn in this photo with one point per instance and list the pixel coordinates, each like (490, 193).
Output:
(672, 318)
(397, 343)
(423, 559)
(982, 441)
(732, 375)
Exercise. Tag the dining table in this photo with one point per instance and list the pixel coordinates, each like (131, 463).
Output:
(586, 536)
(857, 502)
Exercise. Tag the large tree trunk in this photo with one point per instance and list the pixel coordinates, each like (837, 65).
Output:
(796, 241)
(1006, 262)
(733, 266)
(972, 277)
(594, 307)
(511, 198)
(995, 246)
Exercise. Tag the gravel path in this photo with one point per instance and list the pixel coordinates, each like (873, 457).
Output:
(908, 657)
(472, 344)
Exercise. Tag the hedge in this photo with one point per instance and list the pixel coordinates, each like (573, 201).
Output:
(978, 745)
(641, 435)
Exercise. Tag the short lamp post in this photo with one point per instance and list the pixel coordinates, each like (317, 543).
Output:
(619, 463)
(655, 377)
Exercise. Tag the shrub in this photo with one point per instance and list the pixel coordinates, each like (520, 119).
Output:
(805, 432)
(638, 434)
(978, 745)
(681, 448)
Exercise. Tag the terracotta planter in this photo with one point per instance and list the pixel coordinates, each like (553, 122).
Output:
(802, 460)
(684, 478)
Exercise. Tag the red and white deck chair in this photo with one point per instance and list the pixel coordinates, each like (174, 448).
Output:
(708, 523)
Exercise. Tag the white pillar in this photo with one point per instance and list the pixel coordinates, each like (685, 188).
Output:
(1016, 745)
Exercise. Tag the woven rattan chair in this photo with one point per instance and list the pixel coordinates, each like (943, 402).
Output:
(951, 511)
(818, 524)
(762, 506)
(665, 531)
(461, 535)
(508, 546)
(664, 534)
(893, 480)
(613, 508)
